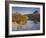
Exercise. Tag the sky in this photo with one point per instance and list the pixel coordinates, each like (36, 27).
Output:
(25, 10)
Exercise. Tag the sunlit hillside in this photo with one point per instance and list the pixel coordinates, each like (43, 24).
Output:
(19, 19)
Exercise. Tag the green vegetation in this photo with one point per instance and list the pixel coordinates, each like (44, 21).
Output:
(34, 17)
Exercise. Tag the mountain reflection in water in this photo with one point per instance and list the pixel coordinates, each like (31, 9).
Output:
(30, 25)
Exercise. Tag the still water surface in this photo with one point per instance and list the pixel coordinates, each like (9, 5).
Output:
(30, 25)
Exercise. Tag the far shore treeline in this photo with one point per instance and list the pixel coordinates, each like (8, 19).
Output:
(34, 16)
